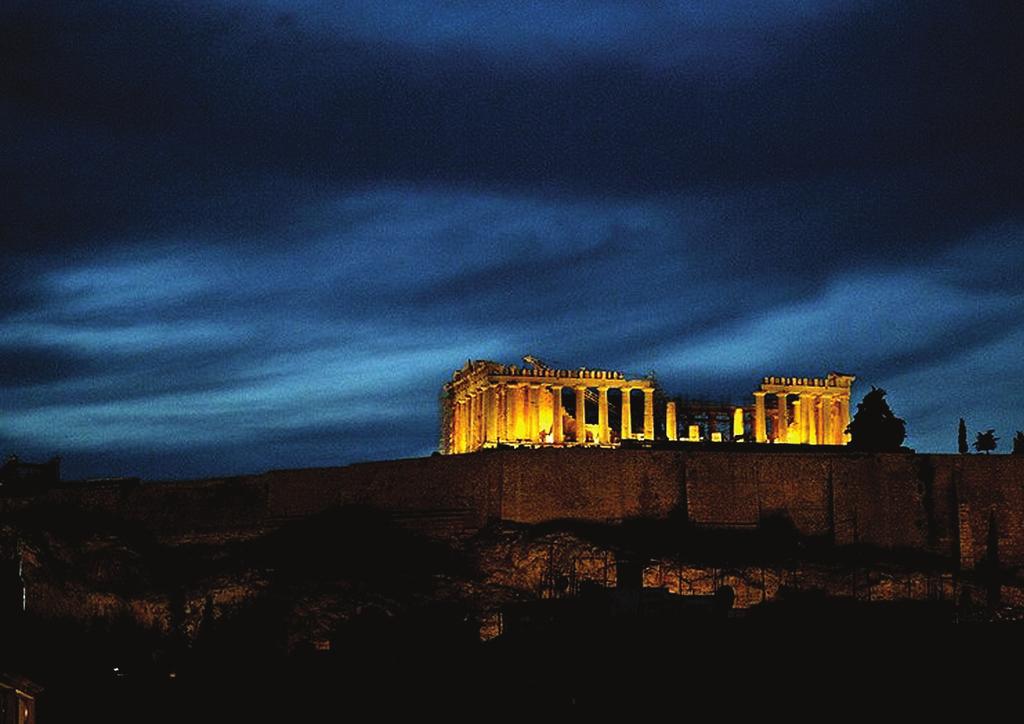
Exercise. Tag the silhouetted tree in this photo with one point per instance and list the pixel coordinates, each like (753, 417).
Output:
(961, 437)
(875, 427)
(986, 441)
(1018, 443)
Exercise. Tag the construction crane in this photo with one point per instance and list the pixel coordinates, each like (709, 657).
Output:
(534, 362)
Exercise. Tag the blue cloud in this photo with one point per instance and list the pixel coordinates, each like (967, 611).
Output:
(264, 235)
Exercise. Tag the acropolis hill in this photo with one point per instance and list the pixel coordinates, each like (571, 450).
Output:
(520, 480)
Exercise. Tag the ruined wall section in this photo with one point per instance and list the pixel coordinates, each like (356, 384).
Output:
(961, 507)
(467, 486)
(938, 478)
(892, 501)
(234, 504)
(219, 506)
(732, 489)
(990, 499)
(589, 484)
(721, 490)
(796, 487)
(878, 500)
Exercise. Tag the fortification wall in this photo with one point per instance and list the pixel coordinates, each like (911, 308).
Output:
(467, 483)
(162, 507)
(590, 484)
(202, 506)
(731, 489)
(961, 507)
(990, 506)
(878, 500)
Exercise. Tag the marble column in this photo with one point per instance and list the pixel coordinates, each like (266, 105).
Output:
(815, 435)
(798, 418)
(823, 438)
(737, 424)
(478, 423)
(627, 415)
(534, 412)
(457, 426)
(782, 434)
(827, 433)
(490, 414)
(581, 415)
(523, 412)
(602, 415)
(648, 413)
(470, 421)
(511, 392)
(671, 429)
(556, 415)
(760, 435)
(808, 412)
(502, 402)
(511, 396)
(481, 416)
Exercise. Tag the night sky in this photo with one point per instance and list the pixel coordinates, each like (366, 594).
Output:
(263, 234)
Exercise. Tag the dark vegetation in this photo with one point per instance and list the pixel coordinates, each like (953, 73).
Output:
(874, 427)
(986, 441)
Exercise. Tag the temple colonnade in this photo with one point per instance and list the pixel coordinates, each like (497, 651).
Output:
(489, 404)
(804, 410)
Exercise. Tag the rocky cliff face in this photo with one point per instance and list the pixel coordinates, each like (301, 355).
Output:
(352, 572)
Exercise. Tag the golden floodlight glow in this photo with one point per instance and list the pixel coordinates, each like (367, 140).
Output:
(738, 430)
(487, 404)
(806, 410)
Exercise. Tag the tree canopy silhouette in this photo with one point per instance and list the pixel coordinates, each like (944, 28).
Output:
(961, 438)
(986, 441)
(1018, 443)
(875, 427)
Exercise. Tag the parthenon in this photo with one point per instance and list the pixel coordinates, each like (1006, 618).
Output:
(488, 404)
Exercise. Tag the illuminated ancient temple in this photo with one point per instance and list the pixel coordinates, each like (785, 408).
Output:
(488, 404)
(803, 410)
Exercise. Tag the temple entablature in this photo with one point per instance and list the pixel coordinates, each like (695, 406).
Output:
(832, 379)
